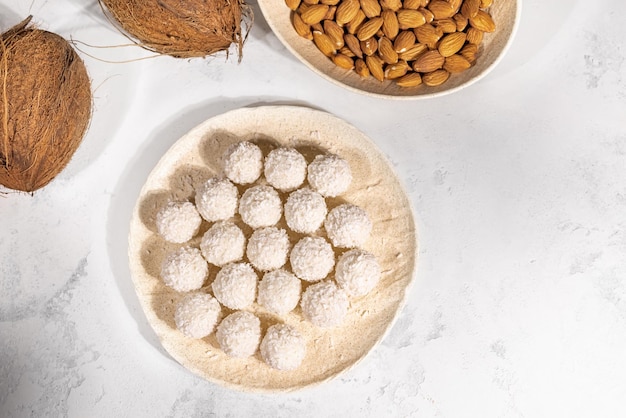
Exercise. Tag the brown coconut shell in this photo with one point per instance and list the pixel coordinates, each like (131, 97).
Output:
(182, 29)
(45, 106)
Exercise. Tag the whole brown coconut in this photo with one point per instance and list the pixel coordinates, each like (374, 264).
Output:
(182, 28)
(45, 106)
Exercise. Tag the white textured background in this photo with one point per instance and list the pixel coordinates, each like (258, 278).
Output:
(519, 189)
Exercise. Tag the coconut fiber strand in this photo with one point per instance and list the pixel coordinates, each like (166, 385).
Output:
(181, 28)
(45, 106)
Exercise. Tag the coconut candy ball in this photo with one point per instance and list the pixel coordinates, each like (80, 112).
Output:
(260, 206)
(223, 243)
(285, 169)
(357, 272)
(329, 174)
(305, 211)
(239, 334)
(178, 222)
(243, 162)
(279, 292)
(312, 258)
(348, 226)
(184, 269)
(216, 199)
(197, 314)
(283, 348)
(235, 285)
(268, 248)
(324, 304)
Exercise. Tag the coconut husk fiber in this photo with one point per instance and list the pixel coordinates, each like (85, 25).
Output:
(45, 106)
(182, 29)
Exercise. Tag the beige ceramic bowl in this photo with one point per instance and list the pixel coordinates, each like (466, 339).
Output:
(375, 187)
(506, 14)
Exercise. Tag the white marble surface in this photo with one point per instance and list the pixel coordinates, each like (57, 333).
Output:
(519, 189)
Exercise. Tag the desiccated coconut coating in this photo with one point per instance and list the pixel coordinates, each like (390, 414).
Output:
(347, 226)
(329, 174)
(216, 199)
(178, 222)
(312, 258)
(283, 348)
(223, 243)
(268, 248)
(324, 304)
(305, 210)
(235, 285)
(279, 291)
(357, 272)
(243, 162)
(184, 269)
(239, 334)
(260, 206)
(285, 169)
(197, 314)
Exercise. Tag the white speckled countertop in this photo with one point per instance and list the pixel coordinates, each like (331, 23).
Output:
(519, 190)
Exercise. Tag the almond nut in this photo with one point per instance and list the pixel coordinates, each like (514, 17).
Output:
(474, 36)
(353, 43)
(371, 8)
(413, 52)
(361, 68)
(386, 51)
(435, 78)
(485, 3)
(375, 65)
(470, 8)
(469, 52)
(428, 35)
(447, 25)
(335, 32)
(409, 19)
(292, 4)
(394, 5)
(404, 41)
(314, 14)
(369, 46)
(343, 61)
(301, 28)
(390, 24)
(456, 64)
(324, 43)
(428, 62)
(411, 4)
(346, 11)
(451, 43)
(483, 21)
(409, 80)
(441, 9)
(369, 29)
(397, 70)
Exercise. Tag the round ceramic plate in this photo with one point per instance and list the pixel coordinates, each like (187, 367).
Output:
(196, 157)
(505, 13)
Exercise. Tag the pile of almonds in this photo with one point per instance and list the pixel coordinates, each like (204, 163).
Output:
(408, 41)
